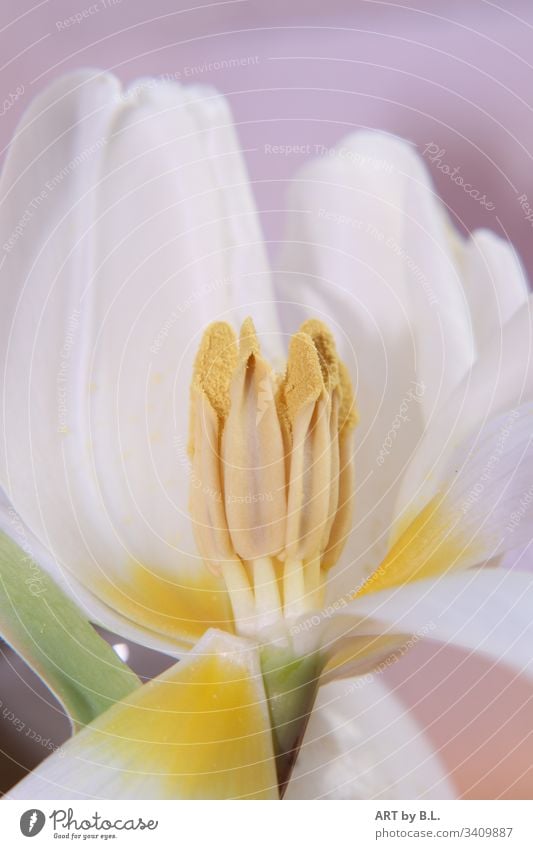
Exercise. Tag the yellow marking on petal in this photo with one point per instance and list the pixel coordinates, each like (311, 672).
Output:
(204, 730)
(431, 545)
(201, 730)
(178, 607)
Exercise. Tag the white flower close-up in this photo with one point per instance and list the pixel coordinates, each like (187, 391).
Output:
(280, 465)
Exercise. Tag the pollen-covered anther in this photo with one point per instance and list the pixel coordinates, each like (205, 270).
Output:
(315, 398)
(210, 403)
(269, 492)
(253, 456)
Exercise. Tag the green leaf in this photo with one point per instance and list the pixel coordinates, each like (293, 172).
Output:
(51, 633)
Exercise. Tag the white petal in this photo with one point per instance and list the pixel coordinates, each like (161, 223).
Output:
(368, 250)
(369, 240)
(362, 743)
(501, 379)
(127, 224)
(483, 610)
(93, 608)
(493, 281)
(482, 509)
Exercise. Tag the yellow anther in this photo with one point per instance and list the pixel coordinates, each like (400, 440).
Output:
(303, 380)
(214, 365)
(326, 350)
(248, 342)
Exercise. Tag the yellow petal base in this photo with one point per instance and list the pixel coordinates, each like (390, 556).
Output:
(199, 731)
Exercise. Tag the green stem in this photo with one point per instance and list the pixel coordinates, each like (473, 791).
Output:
(290, 684)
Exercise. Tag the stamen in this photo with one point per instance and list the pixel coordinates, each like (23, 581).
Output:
(272, 484)
(241, 596)
(303, 381)
(210, 402)
(214, 365)
(348, 415)
(248, 342)
(314, 579)
(293, 588)
(326, 350)
(266, 591)
(206, 496)
(308, 409)
(347, 420)
(253, 456)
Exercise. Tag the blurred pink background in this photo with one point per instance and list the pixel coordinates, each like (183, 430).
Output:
(455, 75)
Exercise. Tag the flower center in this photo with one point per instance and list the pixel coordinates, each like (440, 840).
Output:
(272, 481)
